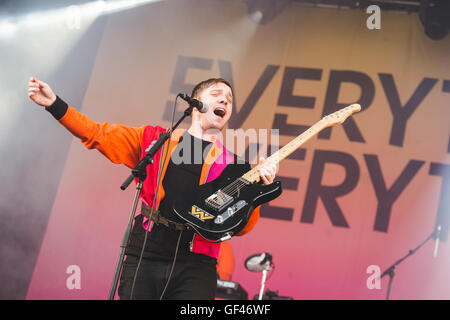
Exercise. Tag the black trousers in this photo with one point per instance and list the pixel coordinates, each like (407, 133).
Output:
(190, 280)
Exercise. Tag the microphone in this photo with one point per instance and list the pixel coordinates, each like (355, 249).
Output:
(200, 106)
(436, 240)
(259, 262)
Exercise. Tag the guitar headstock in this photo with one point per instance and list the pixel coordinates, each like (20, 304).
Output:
(339, 116)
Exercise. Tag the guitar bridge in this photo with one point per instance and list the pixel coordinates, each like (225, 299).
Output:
(218, 200)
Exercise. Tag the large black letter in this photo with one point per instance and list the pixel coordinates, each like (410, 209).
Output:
(331, 100)
(238, 118)
(446, 88)
(178, 85)
(328, 194)
(401, 113)
(287, 129)
(286, 98)
(280, 213)
(386, 197)
(443, 215)
(226, 73)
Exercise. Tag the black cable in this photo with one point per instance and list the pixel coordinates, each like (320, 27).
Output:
(161, 165)
(173, 265)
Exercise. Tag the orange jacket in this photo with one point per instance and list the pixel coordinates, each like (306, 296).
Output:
(124, 144)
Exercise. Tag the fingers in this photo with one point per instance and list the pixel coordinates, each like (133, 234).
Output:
(33, 90)
(33, 87)
(270, 167)
(265, 176)
(265, 179)
(40, 92)
(266, 171)
(36, 86)
(33, 82)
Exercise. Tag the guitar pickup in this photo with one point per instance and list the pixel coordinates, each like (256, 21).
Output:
(219, 200)
(221, 218)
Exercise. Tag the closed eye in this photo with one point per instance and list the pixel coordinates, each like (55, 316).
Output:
(216, 93)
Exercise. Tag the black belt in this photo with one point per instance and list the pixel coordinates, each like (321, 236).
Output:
(158, 219)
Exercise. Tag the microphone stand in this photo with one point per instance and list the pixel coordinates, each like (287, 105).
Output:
(140, 172)
(266, 264)
(263, 281)
(390, 271)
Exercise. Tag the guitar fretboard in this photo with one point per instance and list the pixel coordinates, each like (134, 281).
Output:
(253, 175)
(337, 117)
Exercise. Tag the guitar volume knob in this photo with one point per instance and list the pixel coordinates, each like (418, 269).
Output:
(219, 219)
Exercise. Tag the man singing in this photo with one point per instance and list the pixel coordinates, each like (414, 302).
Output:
(193, 276)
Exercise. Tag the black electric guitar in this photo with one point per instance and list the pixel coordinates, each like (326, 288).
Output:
(220, 209)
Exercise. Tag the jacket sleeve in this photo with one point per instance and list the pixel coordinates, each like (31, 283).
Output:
(251, 222)
(255, 214)
(225, 261)
(119, 143)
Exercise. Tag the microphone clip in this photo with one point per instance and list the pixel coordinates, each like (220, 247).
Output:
(193, 103)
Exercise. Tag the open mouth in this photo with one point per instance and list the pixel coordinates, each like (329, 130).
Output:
(220, 112)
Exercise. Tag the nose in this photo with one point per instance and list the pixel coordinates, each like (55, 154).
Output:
(222, 99)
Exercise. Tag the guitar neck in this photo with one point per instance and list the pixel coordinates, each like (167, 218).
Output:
(337, 117)
(253, 175)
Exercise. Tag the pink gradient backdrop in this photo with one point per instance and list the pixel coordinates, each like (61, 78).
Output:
(130, 84)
